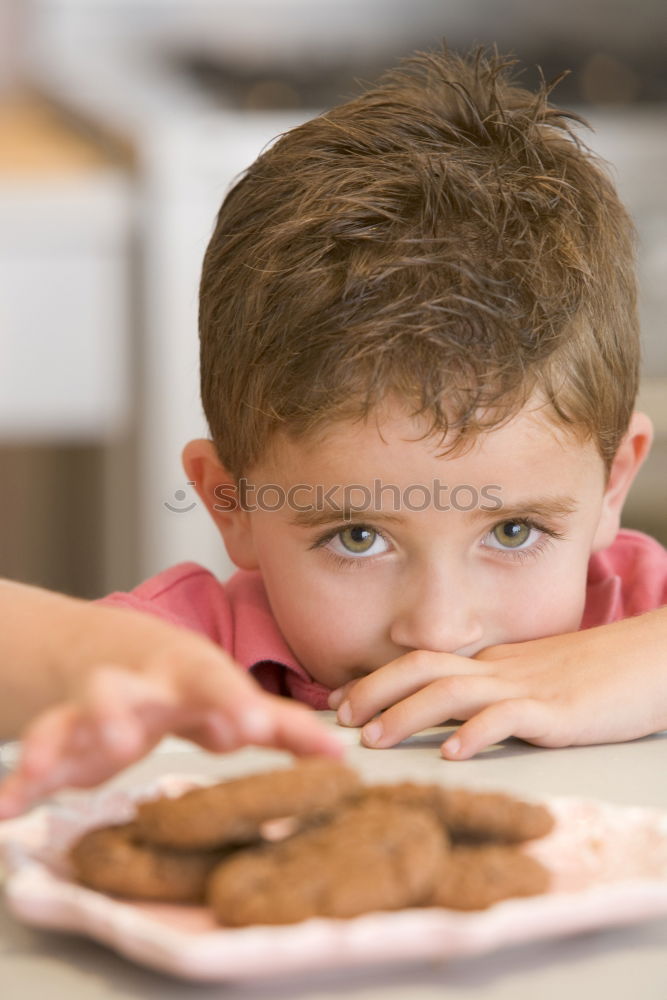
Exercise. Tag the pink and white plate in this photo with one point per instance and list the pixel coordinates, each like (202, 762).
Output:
(608, 864)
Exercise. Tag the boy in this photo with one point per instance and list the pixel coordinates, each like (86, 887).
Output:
(419, 361)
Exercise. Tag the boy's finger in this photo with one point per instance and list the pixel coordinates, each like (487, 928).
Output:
(74, 731)
(213, 682)
(524, 718)
(212, 733)
(297, 729)
(337, 697)
(210, 682)
(437, 703)
(249, 715)
(288, 727)
(45, 739)
(15, 796)
(49, 749)
(400, 679)
(79, 744)
(127, 712)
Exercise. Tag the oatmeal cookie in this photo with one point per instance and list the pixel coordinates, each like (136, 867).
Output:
(370, 855)
(473, 878)
(114, 860)
(472, 817)
(233, 812)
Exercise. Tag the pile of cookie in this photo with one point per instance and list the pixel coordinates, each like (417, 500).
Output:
(344, 848)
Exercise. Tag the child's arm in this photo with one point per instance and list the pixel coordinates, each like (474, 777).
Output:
(97, 687)
(601, 685)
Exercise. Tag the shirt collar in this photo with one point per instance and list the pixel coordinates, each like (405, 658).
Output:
(258, 641)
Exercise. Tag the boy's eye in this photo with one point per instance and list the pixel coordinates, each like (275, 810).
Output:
(356, 540)
(512, 534)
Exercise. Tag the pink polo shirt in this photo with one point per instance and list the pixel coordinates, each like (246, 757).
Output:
(626, 579)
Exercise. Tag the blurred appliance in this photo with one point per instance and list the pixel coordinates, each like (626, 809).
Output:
(198, 88)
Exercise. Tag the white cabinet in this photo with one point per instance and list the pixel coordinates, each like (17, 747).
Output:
(64, 306)
(67, 388)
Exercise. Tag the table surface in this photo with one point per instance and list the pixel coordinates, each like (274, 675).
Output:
(614, 964)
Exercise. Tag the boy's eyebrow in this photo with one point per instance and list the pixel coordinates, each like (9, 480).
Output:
(545, 507)
(311, 517)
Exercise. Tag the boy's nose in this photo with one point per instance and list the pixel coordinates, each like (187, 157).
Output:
(437, 615)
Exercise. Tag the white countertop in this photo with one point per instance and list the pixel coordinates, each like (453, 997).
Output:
(614, 964)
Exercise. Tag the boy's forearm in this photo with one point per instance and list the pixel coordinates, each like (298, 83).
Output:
(34, 625)
(47, 639)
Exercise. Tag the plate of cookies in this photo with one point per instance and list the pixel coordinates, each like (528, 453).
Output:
(308, 867)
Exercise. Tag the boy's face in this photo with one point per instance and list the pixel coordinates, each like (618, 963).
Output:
(506, 562)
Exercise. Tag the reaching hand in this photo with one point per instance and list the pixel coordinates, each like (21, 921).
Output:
(114, 715)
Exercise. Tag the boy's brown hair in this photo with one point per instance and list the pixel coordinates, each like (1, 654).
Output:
(445, 238)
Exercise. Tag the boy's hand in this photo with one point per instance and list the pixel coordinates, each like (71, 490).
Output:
(113, 716)
(601, 685)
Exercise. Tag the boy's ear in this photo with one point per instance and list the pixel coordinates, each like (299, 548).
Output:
(632, 451)
(218, 492)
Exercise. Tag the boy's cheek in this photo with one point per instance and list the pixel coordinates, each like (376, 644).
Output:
(554, 606)
(565, 611)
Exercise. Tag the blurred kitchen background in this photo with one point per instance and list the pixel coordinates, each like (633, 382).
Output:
(122, 124)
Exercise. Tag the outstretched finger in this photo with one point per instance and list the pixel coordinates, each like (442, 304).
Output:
(297, 728)
(127, 713)
(39, 768)
(82, 743)
(237, 712)
(15, 796)
(45, 740)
